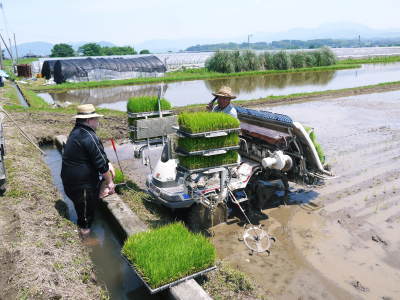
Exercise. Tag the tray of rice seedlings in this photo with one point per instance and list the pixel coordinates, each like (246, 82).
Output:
(168, 255)
(147, 106)
(144, 119)
(199, 163)
(206, 124)
(206, 146)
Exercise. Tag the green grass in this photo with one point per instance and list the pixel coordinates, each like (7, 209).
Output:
(201, 143)
(198, 162)
(33, 99)
(206, 121)
(168, 253)
(119, 176)
(371, 60)
(147, 104)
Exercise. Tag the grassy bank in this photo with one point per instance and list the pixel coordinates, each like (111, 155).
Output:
(180, 76)
(371, 60)
(41, 254)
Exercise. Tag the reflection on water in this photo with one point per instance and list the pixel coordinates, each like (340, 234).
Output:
(199, 91)
(242, 85)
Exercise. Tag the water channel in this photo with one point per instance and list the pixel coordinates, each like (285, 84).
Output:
(246, 88)
(111, 269)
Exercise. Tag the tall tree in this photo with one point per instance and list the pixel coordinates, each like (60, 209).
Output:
(62, 50)
(90, 49)
(144, 51)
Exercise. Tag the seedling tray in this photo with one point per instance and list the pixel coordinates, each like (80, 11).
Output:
(208, 152)
(148, 114)
(208, 134)
(203, 170)
(168, 285)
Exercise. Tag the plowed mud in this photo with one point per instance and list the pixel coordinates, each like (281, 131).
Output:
(350, 247)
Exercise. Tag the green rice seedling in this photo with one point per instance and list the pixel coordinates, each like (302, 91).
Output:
(298, 59)
(168, 253)
(317, 146)
(198, 162)
(281, 61)
(119, 176)
(206, 121)
(201, 143)
(221, 62)
(147, 104)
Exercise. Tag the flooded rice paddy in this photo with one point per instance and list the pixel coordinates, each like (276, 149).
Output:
(350, 248)
(246, 88)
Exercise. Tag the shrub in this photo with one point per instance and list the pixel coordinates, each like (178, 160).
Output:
(266, 61)
(221, 62)
(327, 57)
(310, 59)
(168, 253)
(201, 143)
(238, 61)
(119, 176)
(206, 121)
(147, 104)
(250, 61)
(298, 59)
(281, 60)
(198, 162)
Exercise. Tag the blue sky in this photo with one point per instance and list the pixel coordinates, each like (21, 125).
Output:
(126, 22)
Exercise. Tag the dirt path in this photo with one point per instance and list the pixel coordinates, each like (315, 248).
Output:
(350, 248)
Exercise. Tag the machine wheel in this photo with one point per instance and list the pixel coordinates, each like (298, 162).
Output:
(200, 219)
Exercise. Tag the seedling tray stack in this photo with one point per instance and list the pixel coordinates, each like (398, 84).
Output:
(168, 255)
(148, 120)
(207, 140)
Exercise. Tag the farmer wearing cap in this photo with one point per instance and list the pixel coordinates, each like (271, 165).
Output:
(84, 166)
(224, 97)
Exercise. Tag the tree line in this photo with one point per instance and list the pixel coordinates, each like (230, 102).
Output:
(298, 44)
(93, 49)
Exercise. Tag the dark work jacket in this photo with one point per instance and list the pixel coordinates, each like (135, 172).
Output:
(83, 159)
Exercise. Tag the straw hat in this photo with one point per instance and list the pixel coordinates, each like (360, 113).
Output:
(86, 111)
(225, 91)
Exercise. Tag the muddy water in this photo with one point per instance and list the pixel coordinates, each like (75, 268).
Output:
(350, 248)
(198, 91)
(120, 280)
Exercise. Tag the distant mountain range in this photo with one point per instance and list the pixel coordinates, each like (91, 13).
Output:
(324, 31)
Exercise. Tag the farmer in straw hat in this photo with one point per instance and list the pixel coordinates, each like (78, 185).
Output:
(84, 166)
(224, 97)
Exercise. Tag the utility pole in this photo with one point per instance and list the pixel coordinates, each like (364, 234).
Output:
(1, 57)
(359, 41)
(248, 40)
(16, 50)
